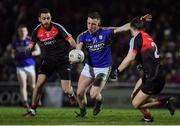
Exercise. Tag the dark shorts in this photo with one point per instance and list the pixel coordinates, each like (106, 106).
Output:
(155, 84)
(62, 68)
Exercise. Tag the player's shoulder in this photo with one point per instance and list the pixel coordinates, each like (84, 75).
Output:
(81, 36)
(83, 33)
(60, 27)
(138, 36)
(28, 38)
(37, 27)
(107, 30)
(57, 25)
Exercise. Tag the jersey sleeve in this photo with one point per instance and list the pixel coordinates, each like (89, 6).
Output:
(80, 39)
(110, 32)
(136, 44)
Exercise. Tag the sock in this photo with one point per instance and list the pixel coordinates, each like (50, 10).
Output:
(147, 115)
(34, 106)
(162, 101)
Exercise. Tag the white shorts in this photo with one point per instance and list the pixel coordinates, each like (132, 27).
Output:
(28, 70)
(92, 72)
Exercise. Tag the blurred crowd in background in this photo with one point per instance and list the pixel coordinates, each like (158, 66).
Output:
(72, 14)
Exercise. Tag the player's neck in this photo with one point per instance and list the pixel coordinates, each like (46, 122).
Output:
(23, 37)
(93, 33)
(135, 32)
(47, 28)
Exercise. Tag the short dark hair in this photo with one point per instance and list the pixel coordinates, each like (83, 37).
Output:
(43, 10)
(137, 23)
(94, 15)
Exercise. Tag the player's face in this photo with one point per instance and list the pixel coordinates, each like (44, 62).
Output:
(23, 32)
(93, 25)
(45, 19)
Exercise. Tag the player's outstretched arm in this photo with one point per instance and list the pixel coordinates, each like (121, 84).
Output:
(123, 28)
(126, 27)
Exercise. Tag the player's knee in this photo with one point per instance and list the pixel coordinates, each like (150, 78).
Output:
(67, 90)
(135, 104)
(93, 95)
(33, 86)
(98, 79)
(80, 94)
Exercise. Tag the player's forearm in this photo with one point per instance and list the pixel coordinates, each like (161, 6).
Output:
(123, 28)
(110, 27)
(72, 42)
(128, 59)
(37, 51)
(125, 63)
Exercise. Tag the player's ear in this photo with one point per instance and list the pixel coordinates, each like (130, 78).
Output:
(99, 23)
(39, 19)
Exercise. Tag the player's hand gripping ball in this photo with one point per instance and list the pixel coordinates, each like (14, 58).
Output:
(76, 56)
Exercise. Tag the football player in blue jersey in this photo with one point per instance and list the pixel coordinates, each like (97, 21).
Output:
(97, 41)
(25, 65)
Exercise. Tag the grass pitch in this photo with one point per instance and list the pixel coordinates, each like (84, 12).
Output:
(66, 116)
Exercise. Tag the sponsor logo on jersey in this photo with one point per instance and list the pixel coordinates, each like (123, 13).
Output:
(100, 37)
(96, 47)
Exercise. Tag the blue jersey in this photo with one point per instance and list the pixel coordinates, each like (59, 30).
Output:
(21, 58)
(98, 46)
